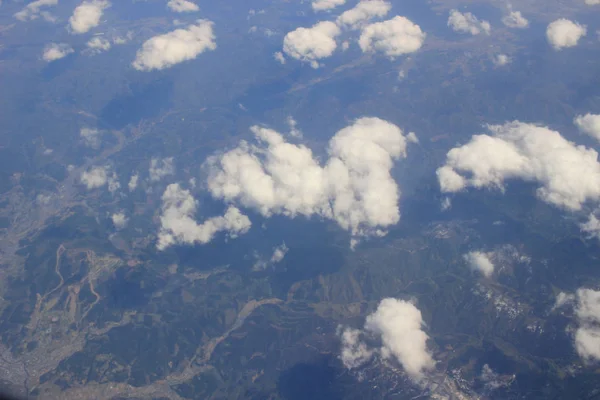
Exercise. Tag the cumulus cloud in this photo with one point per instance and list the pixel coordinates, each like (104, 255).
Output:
(354, 188)
(398, 325)
(279, 57)
(159, 168)
(90, 137)
(278, 255)
(363, 12)
(322, 5)
(87, 15)
(481, 262)
(355, 351)
(164, 51)
(501, 59)
(592, 2)
(293, 125)
(562, 299)
(56, 51)
(119, 220)
(33, 10)
(588, 124)
(133, 182)
(592, 226)
(179, 227)
(182, 6)
(98, 44)
(394, 37)
(312, 44)
(515, 19)
(587, 336)
(95, 177)
(564, 33)
(568, 175)
(467, 23)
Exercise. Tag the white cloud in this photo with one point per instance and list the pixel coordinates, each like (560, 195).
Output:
(564, 33)
(568, 175)
(322, 5)
(562, 299)
(294, 131)
(87, 15)
(179, 227)
(363, 12)
(90, 137)
(98, 44)
(587, 336)
(56, 51)
(133, 182)
(398, 325)
(182, 6)
(446, 204)
(588, 124)
(592, 226)
(113, 183)
(119, 220)
(354, 351)
(501, 59)
(279, 57)
(354, 188)
(312, 44)
(94, 178)
(278, 255)
(479, 261)
(159, 168)
(467, 23)
(394, 37)
(32, 10)
(515, 20)
(164, 51)
(592, 2)
(118, 40)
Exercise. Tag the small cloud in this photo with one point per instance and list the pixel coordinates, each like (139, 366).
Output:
(87, 15)
(312, 44)
(119, 220)
(467, 23)
(363, 12)
(563, 299)
(164, 51)
(159, 168)
(182, 6)
(398, 325)
(279, 57)
(564, 33)
(446, 204)
(501, 60)
(481, 262)
(90, 137)
(179, 227)
(293, 125)
(278, 255)
(95, 177)
(133, 182)
(325, 5)
(98, 44)
(588, 124)
(515, 19)
(56, 51)
(33, 10)
(393, 38)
